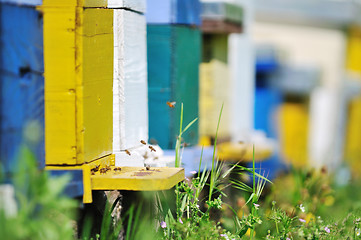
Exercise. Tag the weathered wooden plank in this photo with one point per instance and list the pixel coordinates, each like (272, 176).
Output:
(21, 85)
(78, 95)
(173, 61)
(130, 102)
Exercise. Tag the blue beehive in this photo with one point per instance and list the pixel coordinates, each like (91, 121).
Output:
(173, 12)
(21, 83)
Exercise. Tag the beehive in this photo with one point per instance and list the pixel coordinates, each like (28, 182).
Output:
(21, 84)
(173, 59)
(173, 69)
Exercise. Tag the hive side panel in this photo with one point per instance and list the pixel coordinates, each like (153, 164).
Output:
(135, 74)
(97, 61)
(214, 87)
(21, 84)
(187, 42)
(60, 87)
(159, 50)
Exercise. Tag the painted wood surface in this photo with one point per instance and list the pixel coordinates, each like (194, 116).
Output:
(214, 87)
(78, 95)
(173, 68)
(173, 12)
(135, 5)
(21, 84)
(130, 102)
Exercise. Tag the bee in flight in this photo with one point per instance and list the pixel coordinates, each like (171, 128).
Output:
(152, 149)
(143, 142)
(127, 152)
(171, 104)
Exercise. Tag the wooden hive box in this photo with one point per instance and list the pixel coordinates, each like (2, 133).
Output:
(21, 84)
(130, 92)
(173, 62)
(78, 54)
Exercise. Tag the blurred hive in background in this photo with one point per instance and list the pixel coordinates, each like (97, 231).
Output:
(220, 19)
(174, 48)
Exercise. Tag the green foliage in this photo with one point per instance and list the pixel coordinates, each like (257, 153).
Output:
(43, 212)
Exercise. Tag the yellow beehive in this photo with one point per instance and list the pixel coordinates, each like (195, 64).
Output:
(353, 132)
(78, 59)
(293, 129)
(214, 87)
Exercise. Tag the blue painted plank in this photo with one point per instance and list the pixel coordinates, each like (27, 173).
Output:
(75, 186)
(266, 102)
(21, 84)
(173, 62)
(23, 2)
(174, 12)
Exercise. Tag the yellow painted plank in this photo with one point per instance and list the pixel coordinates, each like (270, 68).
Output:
(78, 54)
(293, 119)
(214, 87)
(137, 178)
(75, 3)
(353, 137)
(59, 63)
(98, 83)
(229, 151)
(353, 60)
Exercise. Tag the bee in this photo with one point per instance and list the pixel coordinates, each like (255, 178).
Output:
(127, 152)
(147, 167)
(117, 169)
(96, 168)
(143, 142)
(103, 170)
(185, 144)
(108, 168)
(152, 149)
(171, 104)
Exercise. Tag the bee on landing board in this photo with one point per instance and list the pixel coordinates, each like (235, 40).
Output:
(143, 142)
(171, 104)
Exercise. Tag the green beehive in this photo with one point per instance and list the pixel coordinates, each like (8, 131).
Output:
(173, 63)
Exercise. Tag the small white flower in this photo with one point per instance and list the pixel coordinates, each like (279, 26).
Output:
(302, 220)
(256, 206)
(180, 220)
(193, 172)
(302, 208)
(327, 230)
(358, 231)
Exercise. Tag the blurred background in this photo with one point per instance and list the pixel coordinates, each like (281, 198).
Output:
(285, 76)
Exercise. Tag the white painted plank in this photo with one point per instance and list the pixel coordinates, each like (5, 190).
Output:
(130, 104)
(135, 5)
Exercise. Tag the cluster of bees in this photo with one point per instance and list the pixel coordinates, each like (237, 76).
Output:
(103, 170)
(152, 149)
